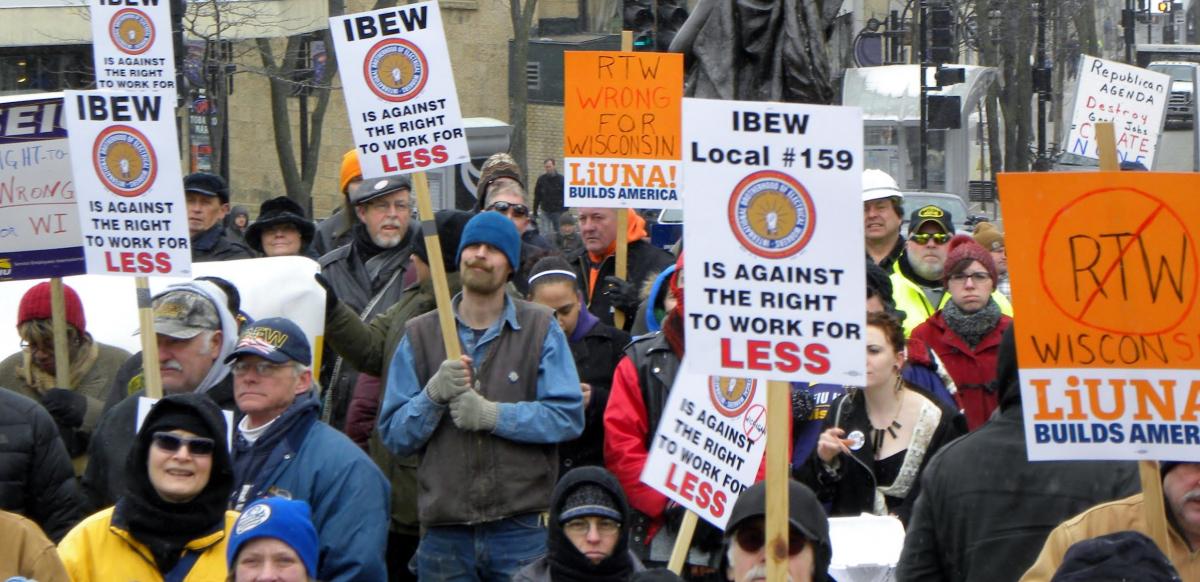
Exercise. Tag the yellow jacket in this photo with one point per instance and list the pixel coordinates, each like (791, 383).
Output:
(1127, 514)
(912, 301)
(97, 551)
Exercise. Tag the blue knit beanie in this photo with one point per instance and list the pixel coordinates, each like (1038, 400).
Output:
(283, 519)
(494, 229)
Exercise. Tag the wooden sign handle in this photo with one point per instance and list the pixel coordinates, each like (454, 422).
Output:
(682, 542)
(1106, 145)
(441, 289)
(622, 267)
(151, 376)
(779, 410)
(58, 323)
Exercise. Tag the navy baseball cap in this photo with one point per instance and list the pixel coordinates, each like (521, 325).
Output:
(274, 339)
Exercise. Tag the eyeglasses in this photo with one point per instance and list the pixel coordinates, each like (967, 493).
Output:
(518, 210)
(262, 368)
(581, 526)
(34, 348)
(939, 238)
(383, 206)
(197, 446)
(752, 539)
(978, 278)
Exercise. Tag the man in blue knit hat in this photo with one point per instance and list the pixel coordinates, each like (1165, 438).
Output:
(486, 424)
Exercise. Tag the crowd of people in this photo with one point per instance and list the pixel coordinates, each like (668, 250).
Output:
(513, 448)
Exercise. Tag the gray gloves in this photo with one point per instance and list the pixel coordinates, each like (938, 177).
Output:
(470, 411)
(452, 378)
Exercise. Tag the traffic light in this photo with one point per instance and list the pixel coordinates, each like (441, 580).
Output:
(942, 39)
(640, 19)
(671, 17)
(1164, 6)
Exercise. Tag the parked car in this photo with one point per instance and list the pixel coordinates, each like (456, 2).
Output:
(1182, 103)
(964, 221)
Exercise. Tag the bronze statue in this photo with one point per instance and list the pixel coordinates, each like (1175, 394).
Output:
(758, 50)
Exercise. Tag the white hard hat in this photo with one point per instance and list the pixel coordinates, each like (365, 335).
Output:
(878, 184)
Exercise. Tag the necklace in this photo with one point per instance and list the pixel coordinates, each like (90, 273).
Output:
(877, 434)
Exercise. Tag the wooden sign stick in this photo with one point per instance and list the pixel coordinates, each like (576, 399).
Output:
(682, 542)
(622, 267)
(779, 410)
(151, 375)
(1156, 516)
(437, 269)
(58, 323)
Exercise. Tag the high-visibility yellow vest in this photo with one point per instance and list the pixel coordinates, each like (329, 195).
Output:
(912, 301)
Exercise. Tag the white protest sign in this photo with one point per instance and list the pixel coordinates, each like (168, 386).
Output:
(1134, 99)
(132, 45)
(709, 444)
(131, 202)
(400, 90)
(775, 276)
(269, 287)
(39, 225)
(865, 548)
(145, 404)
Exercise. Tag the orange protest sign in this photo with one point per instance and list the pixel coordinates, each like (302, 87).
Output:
(622, 137)
(1105, 276)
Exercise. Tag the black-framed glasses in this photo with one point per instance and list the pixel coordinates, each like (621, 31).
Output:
(922, 238)
(978, 278)
(262, 368)
(197, 446)
(518, 210)
(751, 539)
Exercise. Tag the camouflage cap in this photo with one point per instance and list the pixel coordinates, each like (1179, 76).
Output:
(183, 314)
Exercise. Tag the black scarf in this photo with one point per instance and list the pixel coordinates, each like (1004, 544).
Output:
(567, 563)
(165, 528)
(972, 327)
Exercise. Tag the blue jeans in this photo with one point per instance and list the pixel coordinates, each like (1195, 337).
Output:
(489, 552)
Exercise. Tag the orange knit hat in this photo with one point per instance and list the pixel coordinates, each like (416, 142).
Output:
(350, 169)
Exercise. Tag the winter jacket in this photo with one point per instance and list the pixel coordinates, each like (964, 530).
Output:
(369, 348)
(25, 551)
(548, 194)
(307, 460)
(15, 374)
(346, 271)
(36, 477)
(98, 550)
(596, 358)
(104, 481)
(985, 510)
(850, 489)
(533, 237)
(215, 244)
(1127, 514)
(911, 299)
(566, 243)
(644, 261)
(327, 239)
(972, 369)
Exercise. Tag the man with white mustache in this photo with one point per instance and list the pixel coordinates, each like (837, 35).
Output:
(367, 274)
(809, 549)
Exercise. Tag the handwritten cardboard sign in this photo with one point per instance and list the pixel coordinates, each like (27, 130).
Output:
(39, 224)
(1104, 275)
(710, 442)
(1134, 99)
(622, 129)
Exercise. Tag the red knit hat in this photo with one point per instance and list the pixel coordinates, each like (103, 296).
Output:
(964, 248)
(36, 305)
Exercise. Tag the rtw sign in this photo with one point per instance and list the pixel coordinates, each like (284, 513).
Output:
(1104, 273)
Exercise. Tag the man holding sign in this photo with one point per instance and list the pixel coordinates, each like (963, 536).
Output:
(595, 263)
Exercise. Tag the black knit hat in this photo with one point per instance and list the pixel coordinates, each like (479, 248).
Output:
(588, 501)
(276, 211)
(1125, 555)
(450, 225)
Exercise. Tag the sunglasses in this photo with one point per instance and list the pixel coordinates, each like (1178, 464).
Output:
(198, 446)
(939, 238)
(752, 539)
(518, 210)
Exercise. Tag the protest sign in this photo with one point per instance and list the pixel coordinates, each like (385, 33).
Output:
(400, 90)
(775, 275)
(1134, 99)
(621, 117)
(132, 45)
(129, 183)
(866, 548)
(709, 443)
(1104, 275)
(39, 224)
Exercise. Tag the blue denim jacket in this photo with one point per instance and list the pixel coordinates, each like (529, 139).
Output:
(408, 417)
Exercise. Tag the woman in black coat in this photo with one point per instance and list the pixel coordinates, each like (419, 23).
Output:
(875, 441)
(596, 348)
(37, 479)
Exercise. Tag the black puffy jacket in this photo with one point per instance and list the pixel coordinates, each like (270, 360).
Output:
(596, 357)
(37, 479)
